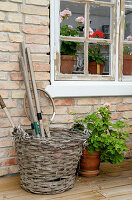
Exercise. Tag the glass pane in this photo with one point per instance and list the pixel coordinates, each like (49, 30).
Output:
(72, 18)
(72, 57)
(128, 25)
(128, 2)
(127, 60)
(99, 59)
(104, 0)
(99, 22)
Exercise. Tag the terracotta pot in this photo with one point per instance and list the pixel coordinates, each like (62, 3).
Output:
(89, 164)
(95, 68)
(127, 65)
(67, 64)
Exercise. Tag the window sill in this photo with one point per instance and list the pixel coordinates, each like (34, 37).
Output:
(89, 89)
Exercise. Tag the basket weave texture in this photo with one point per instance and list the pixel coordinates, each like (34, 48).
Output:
(48, 165)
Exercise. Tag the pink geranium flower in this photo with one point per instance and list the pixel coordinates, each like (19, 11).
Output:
(107, 104)
(80, 20)
(65, 14)
(70, 26)
(129, 37)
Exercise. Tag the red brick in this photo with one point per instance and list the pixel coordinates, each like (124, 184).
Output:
(38, 2)
(11, 103)
(3, 171)
(87, 101)
(111, 100)
(2, 114)
(42, 76)
(124, 107)
(37, 48)
(12, 152)
(4, 132)
(9, 47)
(18, 94)
(14, 57)
(65, 119)
(7, 6)
(32, 19)
(127, 114)
(3, 57)
(3, 153)
(4, 93)
(127, 100)
(32, 39)
(8, 161)
(13, 169)
(126, 154)
(25, 121)
(129, 122)
(41, 67)
(79, 109)
(16, 76)
(9, 27)
(9, 67)
(9, 85)
(3, 37)
(129, 145)
(115, 116)
(35, 10)
(42, 84)
(40, 30)
(4, 142)
(17, 112)
(40, 58)
(64, 102)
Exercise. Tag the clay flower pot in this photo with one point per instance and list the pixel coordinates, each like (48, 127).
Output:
(89, 164)
(67, 64)
(95, 68)
(127, 65)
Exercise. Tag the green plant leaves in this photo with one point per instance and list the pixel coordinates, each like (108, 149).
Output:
(105, 136)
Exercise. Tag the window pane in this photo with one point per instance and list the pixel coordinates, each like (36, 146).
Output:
(100, 21)
(104, 0)
(72, 18)
(72, 57)
(99, 59)
(127, 60)
(128, 25)
(128, 2)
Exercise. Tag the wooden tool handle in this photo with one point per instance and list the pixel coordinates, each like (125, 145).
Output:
(2, 102)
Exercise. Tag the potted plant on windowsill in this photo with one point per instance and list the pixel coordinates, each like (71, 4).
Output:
(69, 48)
(106, 141)
(127, 59)
(96, 60)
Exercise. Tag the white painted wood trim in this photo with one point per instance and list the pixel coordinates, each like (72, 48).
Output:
(87, 89)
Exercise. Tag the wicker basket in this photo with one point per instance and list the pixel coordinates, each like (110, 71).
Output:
(48, 165)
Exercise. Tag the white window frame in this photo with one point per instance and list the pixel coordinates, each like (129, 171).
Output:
(85, 88)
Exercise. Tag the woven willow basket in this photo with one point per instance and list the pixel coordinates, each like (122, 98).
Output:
(48, 165)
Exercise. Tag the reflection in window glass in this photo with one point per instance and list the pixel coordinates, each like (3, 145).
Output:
(104, 0)
(100, 20)
(127, 60)
(72, 57)
(128, 25)
(99, 59)
(72, 18)
(128, 2)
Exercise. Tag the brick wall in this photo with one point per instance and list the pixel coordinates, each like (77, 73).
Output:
(28, 20)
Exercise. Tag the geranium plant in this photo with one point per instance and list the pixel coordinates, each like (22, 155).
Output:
(104, 136)
(94, 55)
(69, 47)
